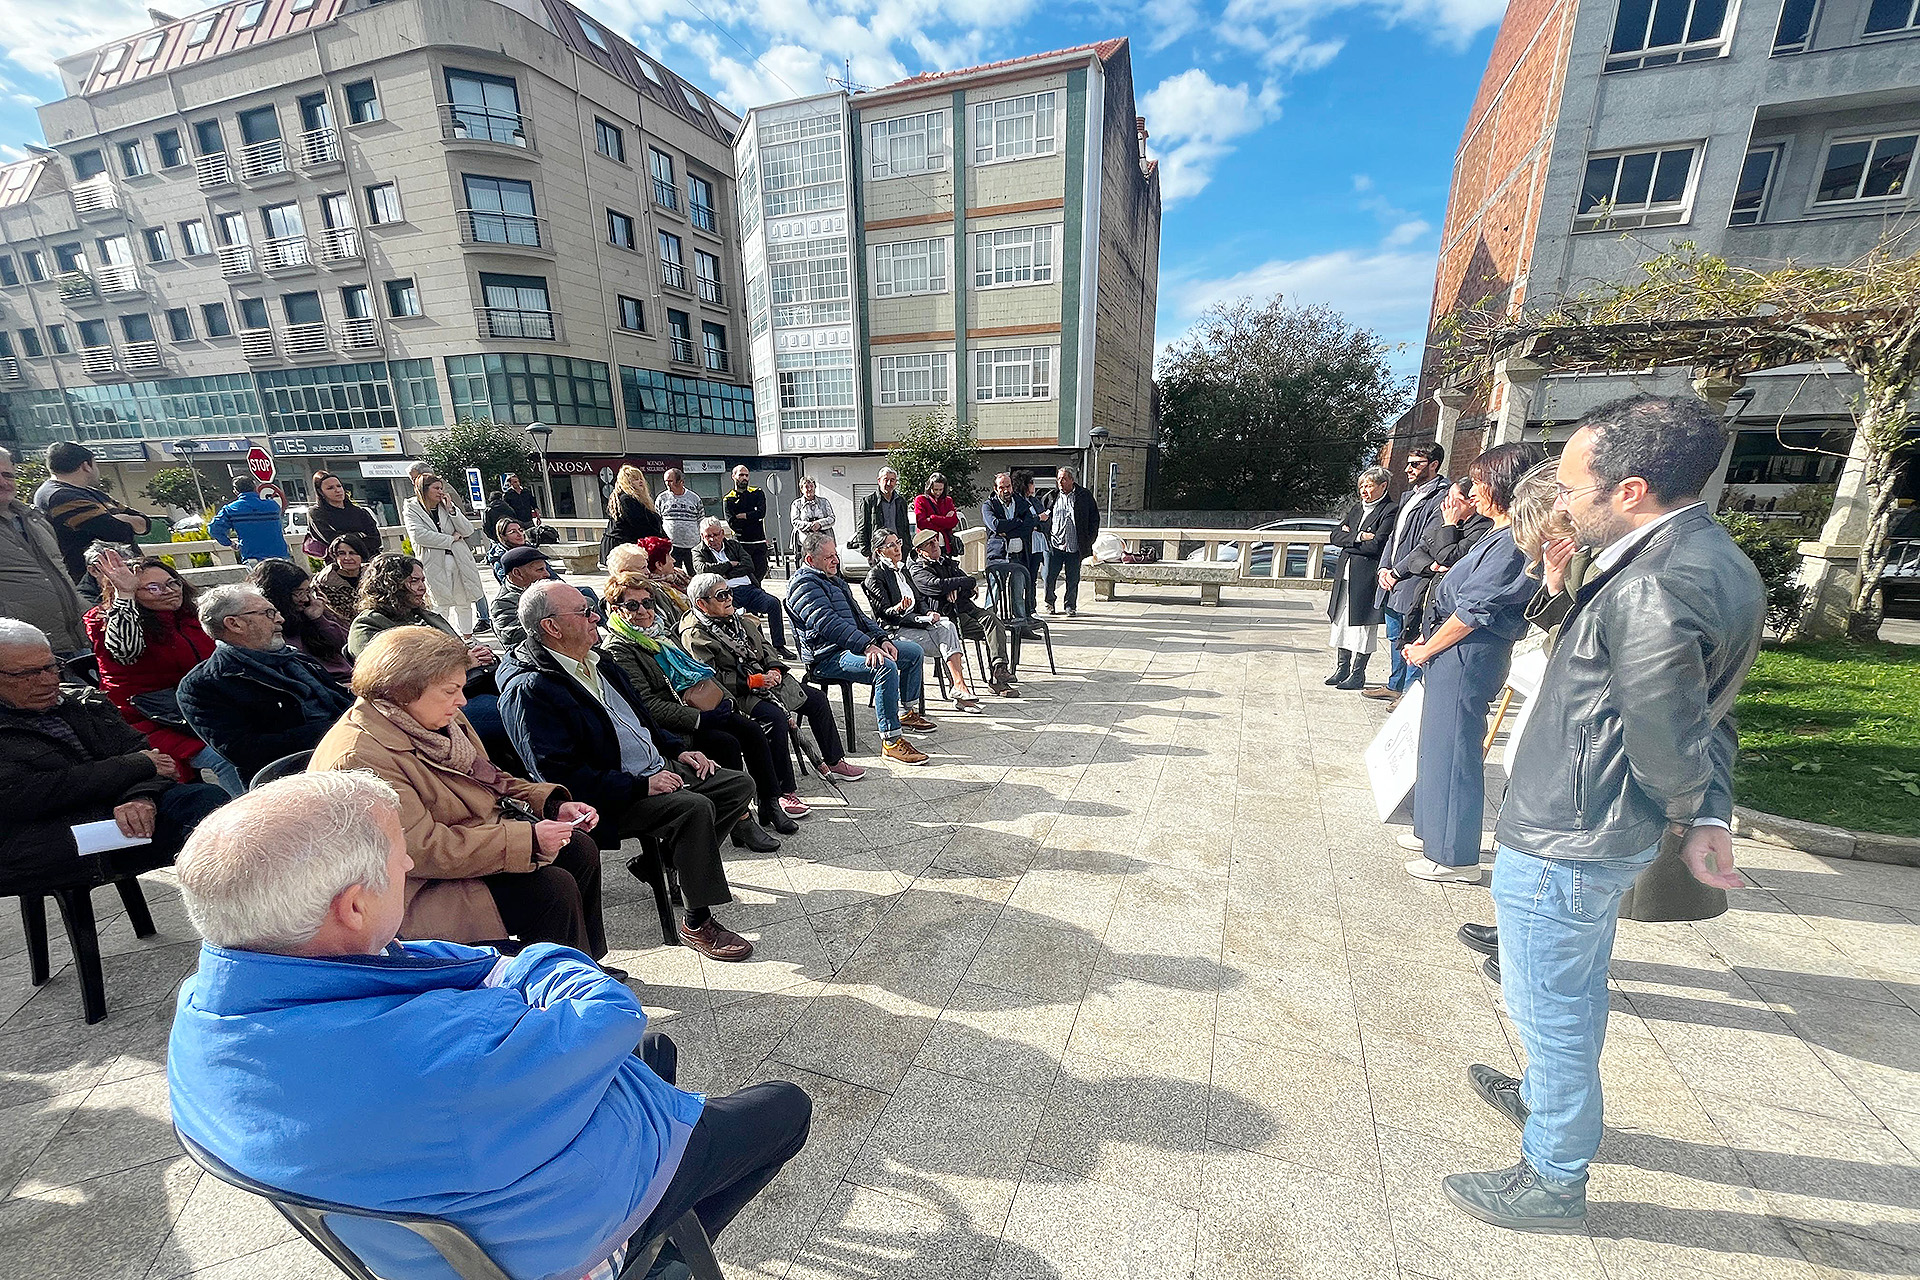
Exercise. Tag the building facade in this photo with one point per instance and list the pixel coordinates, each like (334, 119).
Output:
(1608, 131)
(332, 227)
(980, 243)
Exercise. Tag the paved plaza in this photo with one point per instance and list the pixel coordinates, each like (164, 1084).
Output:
(1128, 982)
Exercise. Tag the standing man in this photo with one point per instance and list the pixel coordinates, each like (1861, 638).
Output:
(886, 509)
(81, 512)
(1633, 741)
(1402, 582)
(34, 586)
(1009, 521)
(746, 510)
(251, 520)
(519, 500)
(681, 510)
(1072, 522)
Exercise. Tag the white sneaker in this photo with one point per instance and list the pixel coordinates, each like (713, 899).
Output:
(1421, 869)
(1410, 842)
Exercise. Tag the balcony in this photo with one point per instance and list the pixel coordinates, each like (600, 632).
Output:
(666, 195)
(99, 362)
(673, 274)
(704, 218)
(118, 279)
(340, 244)
(76, 286)
(710, 291)
(682, 349)
(9, 370)
(502, 322)
(312, 339)
(96, 197)
(213, 170)
(141, 357)
(238, 260)
(263, 161)
(259, 344)
(288, 253)
(491, 229)
(717, 361)
(357, 333)
(320, 149)
(470, 124)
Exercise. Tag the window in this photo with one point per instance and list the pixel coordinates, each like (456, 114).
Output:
(233, 228)
(680, 335)
(1022, 255)
(501, 210)
(920, 379)
(529, 387)
(93, 333)
(646, 69)
(302, 308)
(115, 251)
(706, 269)
(202, 30)
(283, 221)
(1892, 15)
(1658, 33)
(516, 307)
(167, 144)
(57, 337)
(356, 302)
(206, 136)
(262, 124)
(253, 313)
(251, 15)
(1013, 128)
(137, 328)
(815, 379)
(150, 47)
(485, 107)
(110, 63)
(1866, 168)
(316, 113)
(8, 276)
(801, 166)
(159, 244)
(619, 230)
(383, 204)
(914, 266)
(1796, 26)
(213, 318)
(301, 6)
(1756, 176)
(609, 141)
(660, 168)
(69, 257)
(807, 282)
(693, 100)
(403, 298)
(909, 145)
(660, 401)
(6, 344)
(673, 268)
(180, 324)
(713, 341)
(700, 206)
(36, 269)
(595, 37)
(1638, 189)
(133, 159)
(30, 344)
(193, 237)
(363, 102)
(88, 164)
(633, 317)
(1013, 373)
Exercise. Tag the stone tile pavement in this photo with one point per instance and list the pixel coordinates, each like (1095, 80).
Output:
(1127, 983)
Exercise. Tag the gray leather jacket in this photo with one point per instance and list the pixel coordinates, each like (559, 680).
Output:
(1633, 729)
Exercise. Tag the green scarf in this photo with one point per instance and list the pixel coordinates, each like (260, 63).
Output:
(618, 624)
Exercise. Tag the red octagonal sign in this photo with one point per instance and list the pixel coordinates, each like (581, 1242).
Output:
(260, 463)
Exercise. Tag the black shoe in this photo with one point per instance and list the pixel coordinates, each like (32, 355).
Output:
(1484, 938)
(747, 834)
(770, 816)
(1343, 669)
(1491, 967)
(482, 626)
(1519, 1199)
(1501, 1092)
(1357, 677)
(618, 975)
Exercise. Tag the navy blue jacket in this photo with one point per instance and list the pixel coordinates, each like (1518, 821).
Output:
(254, 708)
(256, 521)
(824, 614)
(1010, 521)
(564, 735)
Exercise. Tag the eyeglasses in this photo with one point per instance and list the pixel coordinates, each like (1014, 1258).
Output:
(721, 594)
(587, 612)
(159, 588)
(268, 612)
(51, 669)
(1562, 493)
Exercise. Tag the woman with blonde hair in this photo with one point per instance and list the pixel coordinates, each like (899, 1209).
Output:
(439, 534)
(631, 514)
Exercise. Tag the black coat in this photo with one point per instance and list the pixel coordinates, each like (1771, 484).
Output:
(1357, 581)
(935, 580)
(353, 522)
(1440, 550)
(253, 714)
(628, 521)
(44, 777)
(1086, 517)
(872, 522)
(1404, 556)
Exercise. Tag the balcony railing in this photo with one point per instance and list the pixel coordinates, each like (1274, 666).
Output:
(673, 274)
(511, 230)
(717, 361)
(460, 123)
(213, 170)
(309, 339)
(285, 253)
(94, 196)
(340, 244)
(9, 369)
(502, 322)
(141, 357)
(703, 217)
(263, 160)
(666, 195)
(118, 278)
(75, 285)
(258, 344)
(682, 349)
(359, 332)
(237, 260)
(710, 291)
(319, 148)
(99, 362)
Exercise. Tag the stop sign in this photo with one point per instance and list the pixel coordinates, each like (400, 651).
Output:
(260, 463)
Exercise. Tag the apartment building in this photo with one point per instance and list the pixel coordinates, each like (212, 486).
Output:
(331, 227)
(983, 243)
(1606, 131)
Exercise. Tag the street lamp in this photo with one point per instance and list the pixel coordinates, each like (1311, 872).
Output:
(542, 437)
(187, 448)
(1099, 437)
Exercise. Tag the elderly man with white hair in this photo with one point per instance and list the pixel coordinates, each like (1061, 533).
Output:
(257, 698)
(522, 1097)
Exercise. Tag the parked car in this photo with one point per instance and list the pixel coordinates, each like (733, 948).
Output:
(1260, 561)
(296, 526)
(1900, 580)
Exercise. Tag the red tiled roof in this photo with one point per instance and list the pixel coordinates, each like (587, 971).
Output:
(1104, 50)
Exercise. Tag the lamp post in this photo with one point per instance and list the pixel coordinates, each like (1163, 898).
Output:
(186, 449)
(1099, 437)
(542, 436)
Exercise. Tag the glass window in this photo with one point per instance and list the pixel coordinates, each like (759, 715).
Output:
(363, 102)
(591, 30)
(527, 387)
(660, 401)
(1013, 373)
(193, 236)
(159, 244)
(356, 302)
(706, 267)
(8, 275)
(69, 257)
(150, 47)
(341, 397)
(315, 112)
(660, 169)
(93, 333)
(202, 30)
(30, 344)
(693, 100)
(206, 136)
(485, 107)
(1796, 26)
(700, 206)
(137, 328)
(619, 229)
(915, 379)
(1756, 176)
(908, 145)
(913, 266)
(57, 336)
(301, 6)
(517, 306)
(608, 140)
(1892, 15)
(262, 124)
(808, 282)
(213, 318)
(283, 221)
(501, 210)
(1020, 255)
(383, 204)
(6, 344)
(1637, 189)
(251, 15)
(115, 251)
(253, 313)
(1013, 128)
(633, 316)
(180, 324)
(403, 298)
(302, 308)
(88, 164)
(233, 228)
(36, 269)
(670, 248)
(111, 60)
(1658, 33)
(713, 342)
(133, 159)
(167, 144)
(418, 390)
(800, 165)
(1867, 168)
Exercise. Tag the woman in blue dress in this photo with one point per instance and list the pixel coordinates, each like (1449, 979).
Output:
(1475, 612)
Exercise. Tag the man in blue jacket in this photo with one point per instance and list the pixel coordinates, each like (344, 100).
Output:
(523, 1098)
(254, 520)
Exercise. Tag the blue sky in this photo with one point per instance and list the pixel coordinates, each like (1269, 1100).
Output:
(1305, 145)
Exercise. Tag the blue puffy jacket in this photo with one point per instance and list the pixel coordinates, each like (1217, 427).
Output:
(435, 1078)
(829, 621)
(256, 522)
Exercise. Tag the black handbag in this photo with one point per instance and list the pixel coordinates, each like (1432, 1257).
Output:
(162, 706)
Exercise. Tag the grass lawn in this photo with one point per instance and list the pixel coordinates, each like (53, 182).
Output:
(1816, 722)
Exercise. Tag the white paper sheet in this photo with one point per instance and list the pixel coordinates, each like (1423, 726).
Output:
(98, 837)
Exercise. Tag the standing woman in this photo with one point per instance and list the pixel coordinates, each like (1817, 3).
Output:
(934, 509)
(811, 513)
(334, 515)
(1354, 610)
(630, 512)
(439, 535)
(1479, 608)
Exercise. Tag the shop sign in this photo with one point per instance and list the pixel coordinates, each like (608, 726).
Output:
(240, 445)
(704, 467)
(118, 450)
(387, 470)
(305, 445)
(375, 441)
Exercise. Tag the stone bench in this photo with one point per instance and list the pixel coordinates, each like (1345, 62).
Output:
(578, 557)
(1180, 573)
(212, 575)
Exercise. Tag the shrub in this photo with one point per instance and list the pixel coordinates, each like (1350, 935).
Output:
(1775, 552)
(934, 442)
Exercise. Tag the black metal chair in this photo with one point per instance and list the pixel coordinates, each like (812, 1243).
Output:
(460, 1251)
(653, 869)
(1007, 593)
(284, 767)
(823, 682)
(120, 868)
(83, 668)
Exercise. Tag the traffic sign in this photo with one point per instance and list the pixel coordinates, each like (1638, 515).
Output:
(260, 462)
(475, 492)
(273, 491)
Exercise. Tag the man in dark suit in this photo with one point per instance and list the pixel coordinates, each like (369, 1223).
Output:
(1402, 580)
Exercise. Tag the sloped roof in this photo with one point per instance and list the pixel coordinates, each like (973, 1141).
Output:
(1103, 49)
(614, 53)
(219, 30)
(18, 180)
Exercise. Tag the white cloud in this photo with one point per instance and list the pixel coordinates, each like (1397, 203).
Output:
(1196, 121)
(38, 34)
(1406, 233)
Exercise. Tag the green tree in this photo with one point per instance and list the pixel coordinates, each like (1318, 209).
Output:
(935, 442)
(1266, 406)
(173, 487)
(492, 446)
(30, 472)
(1775, 552)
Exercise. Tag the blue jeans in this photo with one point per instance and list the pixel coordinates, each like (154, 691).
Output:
(230, 780)
(893, 682)
(1557, 921)
(1399, 674)
(754, 600)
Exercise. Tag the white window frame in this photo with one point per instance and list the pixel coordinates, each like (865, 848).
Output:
(1682, 50)
(936, 252)
(188, 249)
(1667, 213)
(1040, 363)
(1042, 107)
(997, 256)
(1913, 24)
(1778, 148)
(935, 366)
(1816, 204)
(816, 380)
(884, 135)
(802, 169)
(375, 203)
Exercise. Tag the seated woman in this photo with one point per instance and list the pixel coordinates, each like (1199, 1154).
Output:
(339, 581)
(309, 625)
(146, 634)
(890, 593)
(393, 593)
(494, 856)
(718, 553)
(732, 644)
(671, 682)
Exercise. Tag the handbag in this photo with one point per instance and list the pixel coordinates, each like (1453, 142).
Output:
(703, 695)
(162, 706)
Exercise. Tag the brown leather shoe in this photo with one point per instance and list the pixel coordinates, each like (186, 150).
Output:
(918, 723)
(1379, 692)
(715, 941)
(904, 752)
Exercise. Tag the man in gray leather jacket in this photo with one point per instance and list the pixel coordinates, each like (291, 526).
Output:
(1632, 735)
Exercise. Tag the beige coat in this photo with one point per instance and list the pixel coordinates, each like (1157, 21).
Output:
(453, 575)
(455, 830)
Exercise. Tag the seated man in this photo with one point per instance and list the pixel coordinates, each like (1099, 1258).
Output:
(576, 719)
(948, 590)
(838, 640)
(256, 699)
(522, 1098)
(523, 566)
(67, 757)
(717, 553)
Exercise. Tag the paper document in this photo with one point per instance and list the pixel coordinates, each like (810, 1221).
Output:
(98, 837)
(742, 581)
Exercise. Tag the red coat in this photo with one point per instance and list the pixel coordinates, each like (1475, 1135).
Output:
(175, 647)
(938, 513)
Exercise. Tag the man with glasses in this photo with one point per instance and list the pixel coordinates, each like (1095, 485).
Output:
(1402, 582)
(717, 553)
(34, 586)
(257, 698)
